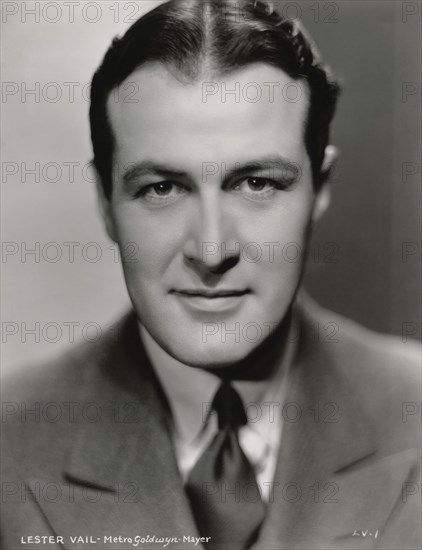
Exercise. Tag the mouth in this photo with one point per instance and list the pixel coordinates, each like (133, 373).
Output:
(210, 294)
(207, 300)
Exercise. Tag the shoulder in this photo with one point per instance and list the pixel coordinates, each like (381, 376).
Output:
(380, 373)
(65, 375)
(44, 403)
(46, 399)
(360, 352)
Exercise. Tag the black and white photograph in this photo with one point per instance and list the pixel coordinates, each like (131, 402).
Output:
(211, 261)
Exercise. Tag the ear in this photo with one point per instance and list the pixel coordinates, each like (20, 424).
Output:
(323, 197)
(104, 205)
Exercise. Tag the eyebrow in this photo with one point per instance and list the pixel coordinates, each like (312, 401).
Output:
(150, 168)
(265, 163)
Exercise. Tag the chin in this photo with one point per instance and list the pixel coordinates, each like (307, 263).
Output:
(210, 355)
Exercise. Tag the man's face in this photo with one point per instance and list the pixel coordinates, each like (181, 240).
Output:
(212, 199)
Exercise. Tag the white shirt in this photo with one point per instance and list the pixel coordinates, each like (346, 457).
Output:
(190, 392)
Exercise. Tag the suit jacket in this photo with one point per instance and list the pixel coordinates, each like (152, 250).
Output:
(87, 450)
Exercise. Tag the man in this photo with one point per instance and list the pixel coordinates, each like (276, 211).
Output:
(216, 415)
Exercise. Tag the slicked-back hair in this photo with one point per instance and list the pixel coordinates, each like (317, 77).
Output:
(221, 36)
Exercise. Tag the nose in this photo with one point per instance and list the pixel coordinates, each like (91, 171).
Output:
(211, 246)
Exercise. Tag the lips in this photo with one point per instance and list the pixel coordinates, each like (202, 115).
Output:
(210, 294)
(200, 301)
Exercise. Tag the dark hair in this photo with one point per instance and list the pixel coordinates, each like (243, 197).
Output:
(224, 35)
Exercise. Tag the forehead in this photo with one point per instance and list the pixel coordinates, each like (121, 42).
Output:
(255, 110)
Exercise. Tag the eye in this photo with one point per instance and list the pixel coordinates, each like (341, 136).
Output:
(256, 184)
(258, 188)
(162, 192)
(163, 188)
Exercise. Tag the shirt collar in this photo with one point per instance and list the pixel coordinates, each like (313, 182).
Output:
(190, 390)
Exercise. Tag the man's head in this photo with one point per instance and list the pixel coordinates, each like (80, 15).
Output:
(214, 172)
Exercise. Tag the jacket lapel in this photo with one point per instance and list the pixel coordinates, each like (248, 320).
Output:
(121, 475)
(330, 488)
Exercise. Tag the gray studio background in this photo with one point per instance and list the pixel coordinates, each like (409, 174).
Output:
(371, 273)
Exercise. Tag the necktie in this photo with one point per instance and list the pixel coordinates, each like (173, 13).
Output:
(222, 488)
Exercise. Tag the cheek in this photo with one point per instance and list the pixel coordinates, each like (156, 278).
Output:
(280, 239)
(147, 243)
(285, 225)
